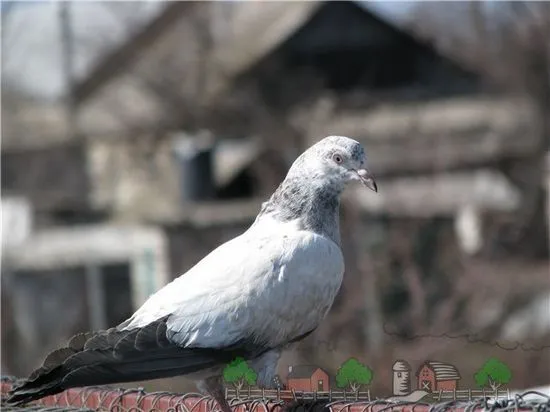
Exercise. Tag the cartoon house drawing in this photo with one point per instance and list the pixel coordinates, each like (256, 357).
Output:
(401, 378)
(434, 376)
(307, 378)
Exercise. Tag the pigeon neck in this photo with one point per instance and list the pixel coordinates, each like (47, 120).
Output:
(314, 202)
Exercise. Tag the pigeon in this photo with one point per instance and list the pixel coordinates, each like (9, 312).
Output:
(251, 297)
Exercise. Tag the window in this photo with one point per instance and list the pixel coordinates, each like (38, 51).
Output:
(399, 374)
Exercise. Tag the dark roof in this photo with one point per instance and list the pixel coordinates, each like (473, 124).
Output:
(324, 8)
(443, 371)
(302, 371)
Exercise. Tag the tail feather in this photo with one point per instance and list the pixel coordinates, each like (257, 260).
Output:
(115, 356)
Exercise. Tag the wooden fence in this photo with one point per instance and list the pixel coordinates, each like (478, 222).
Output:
(286, 395)
(469, 394)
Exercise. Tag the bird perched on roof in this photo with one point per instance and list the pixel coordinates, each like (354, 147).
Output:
(250, 297)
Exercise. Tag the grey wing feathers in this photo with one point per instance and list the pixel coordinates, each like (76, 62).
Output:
(115, 356)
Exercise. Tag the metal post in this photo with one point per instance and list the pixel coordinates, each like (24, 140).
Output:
(96, 298)
(67, 47)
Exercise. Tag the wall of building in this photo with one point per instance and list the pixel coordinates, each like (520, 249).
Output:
(426, 374)
(446, 385)
(50, 177)
(317, 376)
(302, 384)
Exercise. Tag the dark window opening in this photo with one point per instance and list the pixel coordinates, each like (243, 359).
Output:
(118, 292)
(241, 187)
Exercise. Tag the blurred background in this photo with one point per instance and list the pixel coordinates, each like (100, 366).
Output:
(138, 136)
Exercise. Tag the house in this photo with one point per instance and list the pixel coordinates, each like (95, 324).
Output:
(370, 79)
(388, 89)
(307, 378)
(435, 376)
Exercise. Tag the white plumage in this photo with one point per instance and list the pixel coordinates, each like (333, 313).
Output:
(273, 283)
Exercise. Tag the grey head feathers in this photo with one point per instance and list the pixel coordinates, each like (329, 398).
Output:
(313, 185)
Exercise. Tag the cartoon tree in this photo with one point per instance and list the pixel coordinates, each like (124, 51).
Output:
(352, 374)
(493, 373)
(238, 373)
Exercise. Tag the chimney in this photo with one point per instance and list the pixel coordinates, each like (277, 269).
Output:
(194, 162)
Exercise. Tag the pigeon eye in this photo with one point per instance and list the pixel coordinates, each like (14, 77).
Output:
(337, 158)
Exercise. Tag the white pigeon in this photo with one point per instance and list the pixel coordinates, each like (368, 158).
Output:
(250, 297)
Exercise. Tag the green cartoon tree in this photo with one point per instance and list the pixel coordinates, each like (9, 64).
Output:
(493, 373)
(238, 373)
(352, 374)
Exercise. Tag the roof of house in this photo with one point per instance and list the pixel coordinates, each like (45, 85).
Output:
(302, 371)
(307, 14)
(255, 30)
(443, 371)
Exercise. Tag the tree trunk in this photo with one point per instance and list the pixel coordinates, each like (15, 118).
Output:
(238, 386)
(494, 386)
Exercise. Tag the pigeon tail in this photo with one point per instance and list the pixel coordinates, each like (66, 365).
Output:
(115, 356)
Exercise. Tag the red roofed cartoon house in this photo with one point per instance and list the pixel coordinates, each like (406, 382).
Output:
(435, 376)
(307, 378)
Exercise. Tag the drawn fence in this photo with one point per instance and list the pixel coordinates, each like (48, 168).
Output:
(289, 395)
(469, 394)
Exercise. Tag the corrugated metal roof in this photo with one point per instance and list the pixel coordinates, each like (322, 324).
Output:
(443, 371)
(80, 245)
(451, 116)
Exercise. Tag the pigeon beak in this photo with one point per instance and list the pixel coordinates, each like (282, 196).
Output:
(367, 179)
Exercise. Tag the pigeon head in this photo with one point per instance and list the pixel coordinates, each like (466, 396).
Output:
(337, 160)
(310, 193)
